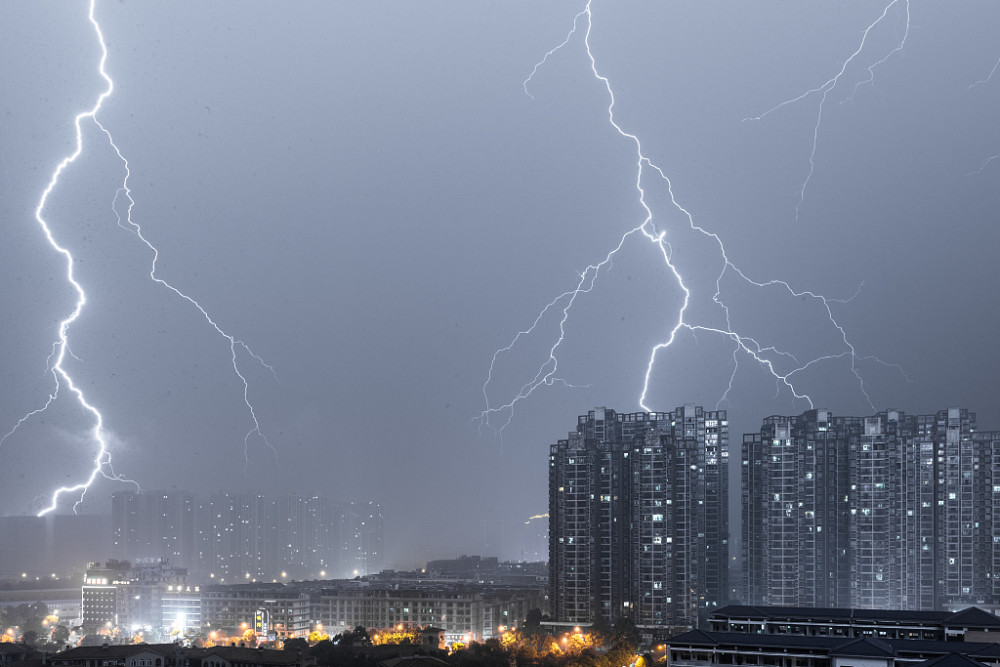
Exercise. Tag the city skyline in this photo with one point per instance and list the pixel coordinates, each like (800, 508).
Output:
(378, 227)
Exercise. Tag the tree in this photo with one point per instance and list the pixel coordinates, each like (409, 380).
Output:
(296, 644)
(60, 635)
(361, 637)
(316, 636)
(533, 621)
(625, 633)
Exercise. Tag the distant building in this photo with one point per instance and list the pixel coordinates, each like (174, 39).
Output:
(891, 511)
(460, 610)
(151, 596)
(153, 526)
(239, 537)
(464, 566)
(638, 507)
(232, 537)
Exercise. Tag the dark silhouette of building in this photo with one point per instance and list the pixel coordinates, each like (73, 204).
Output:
(638, 524)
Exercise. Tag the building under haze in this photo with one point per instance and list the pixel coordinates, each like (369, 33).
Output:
(638, 508)
(891, 511)
(244, 536)
(156, 525)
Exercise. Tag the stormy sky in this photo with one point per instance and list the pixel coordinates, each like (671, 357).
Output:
(370, 197)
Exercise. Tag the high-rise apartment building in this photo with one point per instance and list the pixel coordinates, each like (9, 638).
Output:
(891, 511)
(154, 526)
(638, 524)
(239, 537)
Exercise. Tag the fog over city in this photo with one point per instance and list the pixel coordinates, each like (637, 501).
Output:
(398, 222)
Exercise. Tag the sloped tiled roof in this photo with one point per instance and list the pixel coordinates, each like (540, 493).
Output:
(973, 617)
(113, 651)
(870, 647)
(243, 654)
(414, 661)
(951, 660)
(830, 613)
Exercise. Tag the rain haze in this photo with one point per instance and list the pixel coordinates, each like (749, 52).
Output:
(374, 200)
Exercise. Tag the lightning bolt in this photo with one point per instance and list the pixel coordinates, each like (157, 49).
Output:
(707, 298)
(827, 87)
(984, 165)
(60, 348)
(989, 77)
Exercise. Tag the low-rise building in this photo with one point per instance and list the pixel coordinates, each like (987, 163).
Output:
(970, 624)
(463, 611)
(234, 609)
(147, 596)
(802, 637)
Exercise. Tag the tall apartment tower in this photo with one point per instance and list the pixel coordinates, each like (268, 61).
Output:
(154, 526)
(232, 537)
(888, 511)
(638, 524)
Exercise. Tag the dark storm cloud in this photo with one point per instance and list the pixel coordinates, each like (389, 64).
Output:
(366, 196)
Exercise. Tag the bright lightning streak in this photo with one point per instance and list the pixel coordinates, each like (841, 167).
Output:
(60, 376)
(824, 90)
(768, 357)
(60, 348)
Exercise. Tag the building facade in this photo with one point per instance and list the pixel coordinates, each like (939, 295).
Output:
(154, 525)
(890, 511)
(638, 507)
(461, 611)
(810, 637)
(234, 609)
(239, 537)
(145, 595)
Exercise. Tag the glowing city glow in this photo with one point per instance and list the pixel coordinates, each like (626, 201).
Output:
(703, 308)
(60, 347)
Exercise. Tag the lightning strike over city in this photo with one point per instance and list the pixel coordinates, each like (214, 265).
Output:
(61, 347)
(413, 245)
(704, 307)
